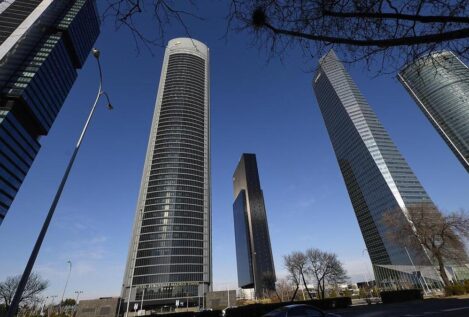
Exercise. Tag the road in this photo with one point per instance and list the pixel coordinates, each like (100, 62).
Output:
(450, 307)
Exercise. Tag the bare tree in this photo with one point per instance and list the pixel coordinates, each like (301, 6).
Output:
(424, 225)
(284, 288)
(325, 268)
(299, 261)
(164, 13)
(384, 33)
(34, 287)
(294, 272)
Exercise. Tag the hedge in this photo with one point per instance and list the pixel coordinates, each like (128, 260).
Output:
(207, 313)
(456, 289)
(257, 310)
(401, 295)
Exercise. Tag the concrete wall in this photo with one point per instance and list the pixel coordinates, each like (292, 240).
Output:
(102, 307)
(219, 299)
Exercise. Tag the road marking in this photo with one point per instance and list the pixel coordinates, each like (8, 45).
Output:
(455, 309)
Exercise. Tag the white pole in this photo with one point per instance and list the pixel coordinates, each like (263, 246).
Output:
(66, 283)
(143, 295)
(128, 300)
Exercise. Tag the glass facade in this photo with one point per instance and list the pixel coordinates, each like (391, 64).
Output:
(377, 177)
(169, 257)
(41, 47)
(439, 84)
(243, 246)
(253, 249)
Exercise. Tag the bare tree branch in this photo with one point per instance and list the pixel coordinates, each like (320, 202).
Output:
(384, 34)
(34, 287)
(425, 226)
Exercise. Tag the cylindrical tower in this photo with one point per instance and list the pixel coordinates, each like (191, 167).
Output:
(439, 83)
(169, 258)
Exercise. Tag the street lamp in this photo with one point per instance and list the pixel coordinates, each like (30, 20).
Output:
(66, 283)
(76, 301)
(51, 305)
(37, 246)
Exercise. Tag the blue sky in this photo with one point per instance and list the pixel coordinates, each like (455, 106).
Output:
(259, 106)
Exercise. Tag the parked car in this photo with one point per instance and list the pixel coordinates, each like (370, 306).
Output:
(299, 310)
(373, 300)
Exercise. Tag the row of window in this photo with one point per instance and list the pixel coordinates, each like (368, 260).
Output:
(162, 269)
(170, 243)
(154, 194)
(180, 120)
(171, 235)
(182, 178)
(184, 126)
(190, 171)
(179, 188)
(167, 278)
(174, 201)
(159, 181)
(172, 221)
(171, 139)
(187, 228)
(176, 208)
(171, 213)
(176, 155)
(169, 252)
(161, 260)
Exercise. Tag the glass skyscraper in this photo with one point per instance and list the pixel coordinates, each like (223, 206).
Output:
(42, 44)
(377, 177)
(253, 249)
(169, 257)
(439, 84)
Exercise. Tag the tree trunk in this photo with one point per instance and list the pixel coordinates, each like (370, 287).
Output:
(441, 268)
(294, 294)
(304, 283)
(279, 298)
(323, 289)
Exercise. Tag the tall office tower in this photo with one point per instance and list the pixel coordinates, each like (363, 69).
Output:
(439, 83)
(377, 177)
(253, 250)
(169, 257)
(42, 44)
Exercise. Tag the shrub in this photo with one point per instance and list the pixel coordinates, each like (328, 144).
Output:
(207, 313)
(401, 295)
(466, 285)
(456, 289)
(257, 310)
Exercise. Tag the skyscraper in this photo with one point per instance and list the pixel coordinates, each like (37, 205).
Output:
(439, 84)
(42, 44)
(377, 177)
(253, 250)
(170, 251)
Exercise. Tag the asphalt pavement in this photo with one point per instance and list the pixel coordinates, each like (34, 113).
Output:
(450, 307)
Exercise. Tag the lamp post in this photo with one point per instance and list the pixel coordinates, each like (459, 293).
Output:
(76, 301)
(37, 246)
(66, 283)
(51, 305)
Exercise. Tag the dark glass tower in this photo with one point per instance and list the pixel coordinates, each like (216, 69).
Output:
(170, 251)
(440, 86)
(377, 177)
(42, 44)
(253, 250)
